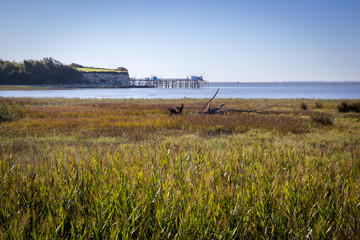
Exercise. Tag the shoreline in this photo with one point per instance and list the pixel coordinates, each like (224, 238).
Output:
(57, 87)
(232, 91)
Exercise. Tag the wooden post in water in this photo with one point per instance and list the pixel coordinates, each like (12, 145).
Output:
(168, 82)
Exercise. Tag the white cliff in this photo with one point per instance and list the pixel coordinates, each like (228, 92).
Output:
(107, 79)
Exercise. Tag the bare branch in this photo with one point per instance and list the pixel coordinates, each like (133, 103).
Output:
(220, 106)
(209, 102)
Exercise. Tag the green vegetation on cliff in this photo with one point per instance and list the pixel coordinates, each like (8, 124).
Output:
(92, 69)
(47, 71)
(32, 72)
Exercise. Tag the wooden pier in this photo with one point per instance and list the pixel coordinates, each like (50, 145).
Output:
(193, 82)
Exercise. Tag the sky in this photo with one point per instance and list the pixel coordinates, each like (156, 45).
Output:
(238, 41)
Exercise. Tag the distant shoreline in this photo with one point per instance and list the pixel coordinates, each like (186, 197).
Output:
(54, 87)
(305, 82)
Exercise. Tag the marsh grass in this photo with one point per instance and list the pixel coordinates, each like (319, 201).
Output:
(124, 169)
(323, 119)
(9, 112)
(319, 105)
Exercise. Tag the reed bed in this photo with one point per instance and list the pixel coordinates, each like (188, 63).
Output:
(125, 169)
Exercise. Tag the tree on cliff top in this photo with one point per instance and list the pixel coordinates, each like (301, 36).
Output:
(33, 72)
(122, 69)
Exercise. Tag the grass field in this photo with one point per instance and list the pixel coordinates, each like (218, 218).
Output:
(125, 169)
(99, 70)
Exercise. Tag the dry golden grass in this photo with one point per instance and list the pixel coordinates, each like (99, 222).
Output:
(125, 169)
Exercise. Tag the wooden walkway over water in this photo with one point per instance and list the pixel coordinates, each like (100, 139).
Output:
(168, 82)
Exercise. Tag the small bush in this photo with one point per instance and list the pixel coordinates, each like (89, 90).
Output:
(323, 119)
(304, 106)
(9, 112)
(319, 105)
(343, 107)
(348, 107)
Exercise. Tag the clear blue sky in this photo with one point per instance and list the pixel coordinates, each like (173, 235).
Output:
(253, 40)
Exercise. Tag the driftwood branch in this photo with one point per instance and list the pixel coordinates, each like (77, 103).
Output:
(217, 110)
(209, 102)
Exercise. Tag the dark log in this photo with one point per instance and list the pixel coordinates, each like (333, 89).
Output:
(178, 110)
(260, 110)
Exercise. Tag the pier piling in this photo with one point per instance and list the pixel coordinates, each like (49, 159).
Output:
(193, 82)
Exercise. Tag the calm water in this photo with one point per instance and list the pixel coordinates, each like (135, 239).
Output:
(324, 90)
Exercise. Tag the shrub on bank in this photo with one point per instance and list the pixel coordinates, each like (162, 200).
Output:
(319, 105)
(349, 107)
(323, 119)
(10, 112)
(304, 106)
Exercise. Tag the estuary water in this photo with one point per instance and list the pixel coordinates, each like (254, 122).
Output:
(317, 90)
